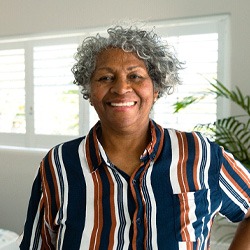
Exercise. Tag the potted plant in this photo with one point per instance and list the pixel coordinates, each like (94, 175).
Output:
(233, 132)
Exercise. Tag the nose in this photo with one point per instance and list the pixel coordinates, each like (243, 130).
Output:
(121, 86)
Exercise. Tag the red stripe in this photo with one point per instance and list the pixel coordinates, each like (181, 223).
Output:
(181, 165)
(184, 210)
(98, 220)
(196, 160)
(112, 210)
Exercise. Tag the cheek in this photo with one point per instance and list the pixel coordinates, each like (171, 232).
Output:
(96, 93)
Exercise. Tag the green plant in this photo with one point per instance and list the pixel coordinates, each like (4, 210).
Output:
(233, 132)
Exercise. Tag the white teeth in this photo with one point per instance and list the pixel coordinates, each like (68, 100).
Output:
(122, 104)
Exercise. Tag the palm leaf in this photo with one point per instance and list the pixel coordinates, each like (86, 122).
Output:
(233, 135)
(186, 101)
(236, 96)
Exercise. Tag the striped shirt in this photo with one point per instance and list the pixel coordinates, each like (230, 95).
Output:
(80, 200)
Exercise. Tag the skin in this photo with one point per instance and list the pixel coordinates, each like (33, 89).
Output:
(241, 239)
(122, 94)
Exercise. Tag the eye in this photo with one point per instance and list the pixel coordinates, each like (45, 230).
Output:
(105, 79)
(135, 77)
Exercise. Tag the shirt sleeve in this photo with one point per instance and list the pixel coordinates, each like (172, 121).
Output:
(234, 181)
(38, 230)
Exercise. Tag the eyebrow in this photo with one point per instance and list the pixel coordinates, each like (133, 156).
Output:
(111, 70)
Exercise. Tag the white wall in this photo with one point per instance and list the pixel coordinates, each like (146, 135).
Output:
(22, 17)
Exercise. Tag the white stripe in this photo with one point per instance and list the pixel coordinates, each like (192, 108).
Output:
(125, 212)
(89, 219)
(204, 158)
(35, 224)
(239, 166)
(152, 222)
(65, 196)
(191, 215)
(208, 160)
(230, 195)
(183, 245)
(174, 163)
(98, 208)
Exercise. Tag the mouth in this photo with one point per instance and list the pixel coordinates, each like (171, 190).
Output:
(122, 104)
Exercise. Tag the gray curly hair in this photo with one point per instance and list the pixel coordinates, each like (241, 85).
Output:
(162, 64)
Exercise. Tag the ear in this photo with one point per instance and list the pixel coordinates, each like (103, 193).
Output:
(156, 95)
(90, 101)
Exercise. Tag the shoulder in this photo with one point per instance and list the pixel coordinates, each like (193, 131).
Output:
(194, 144)
(189, 137)
(63, 153)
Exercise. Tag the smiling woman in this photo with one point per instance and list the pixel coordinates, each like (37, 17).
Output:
(130, 183)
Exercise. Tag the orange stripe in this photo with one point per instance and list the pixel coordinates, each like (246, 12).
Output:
(98, 220)
(88, 153)
(234, 183)
(184, 210)
(112, 211)
(54, 180)
(47, 196)
(181, 165)
(196, 160)
(237, 169)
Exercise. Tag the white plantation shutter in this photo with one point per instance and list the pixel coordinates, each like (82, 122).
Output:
(200, 54)
(56, 99)
(12, 91)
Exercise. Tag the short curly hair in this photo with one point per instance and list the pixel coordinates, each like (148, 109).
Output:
(161, 63)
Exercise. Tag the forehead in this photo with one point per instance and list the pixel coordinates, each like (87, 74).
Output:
(118, 57)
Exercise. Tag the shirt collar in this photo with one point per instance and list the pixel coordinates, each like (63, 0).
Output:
(96, 156)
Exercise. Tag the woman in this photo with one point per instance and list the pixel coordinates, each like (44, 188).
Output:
(130, 184)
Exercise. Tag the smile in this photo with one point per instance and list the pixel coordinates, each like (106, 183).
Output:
(122, 104)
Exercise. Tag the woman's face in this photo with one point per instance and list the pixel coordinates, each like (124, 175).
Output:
(121, 92)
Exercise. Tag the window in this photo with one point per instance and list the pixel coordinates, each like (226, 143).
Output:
(200, 54)
(40, 107)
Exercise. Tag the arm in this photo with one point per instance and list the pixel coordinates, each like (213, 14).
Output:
(241, 239)
(38, 232)
(34, 215)
(234, 181)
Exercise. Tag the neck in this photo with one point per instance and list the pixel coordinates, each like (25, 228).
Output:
(125, 141)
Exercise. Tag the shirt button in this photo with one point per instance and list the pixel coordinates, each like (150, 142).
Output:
(138, 221)
(134, 181)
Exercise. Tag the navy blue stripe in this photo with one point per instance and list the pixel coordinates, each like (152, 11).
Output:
(190, 161)
(76, 207)
(120, 206)
(31, 214)
(104, 241)
(163, 193)
(92, 149)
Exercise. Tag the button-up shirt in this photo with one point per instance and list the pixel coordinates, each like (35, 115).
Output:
(80, 200)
